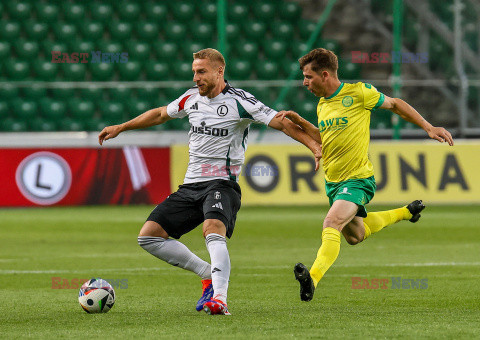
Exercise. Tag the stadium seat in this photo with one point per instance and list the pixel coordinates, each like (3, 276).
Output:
(147, 31)
(63, 93)
(112, 111)
(349, 71)
(46, 12)
(208, 11)
(298, 49)
(34, 92)
(176, 32)
(289, 11)
(247, 50)
(156, 12)
(92, 92)
(167, 51)
(23, 109)
(92, 30)
(8, 91)
(35, 31)
(239, 69)
(182, 11)
(232, 31)
(69, 124)
(237, 12)
(255, 29)
(16, 70)
(266, 70)
(120, 31)
(101, 71)
(74, 71)
(189, 47)
(101, 11)
(264, 11)
(19, 10)
(173, 92)
(52, 109)
(282, 30)
(26, 49)
(4, 110)
(96, 124)
(280, 106)
(121, 94)
(73, 12)
(136, 107)
(109, 46)
(183, 70)
(9, 30)
(48, 46)
(4, 50)
(82, 110)
(148, 92)
(157, 71)
(381, 119)
(308, 110)
(275, 49)
(289, 66)
(13, 125)
(130, 71)
(82, 46)
(137, 51)
(332, 45)
(41, 125)
(262, 93)
(305, 29)
(128, 11)
(202, 32)
(178, 124)
(64, 31)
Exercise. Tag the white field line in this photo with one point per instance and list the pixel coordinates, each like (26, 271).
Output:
(142, 269)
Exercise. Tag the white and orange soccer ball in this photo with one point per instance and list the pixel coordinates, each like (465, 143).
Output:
(96, 296)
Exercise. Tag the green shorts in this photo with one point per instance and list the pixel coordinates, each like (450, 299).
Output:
(359, 191)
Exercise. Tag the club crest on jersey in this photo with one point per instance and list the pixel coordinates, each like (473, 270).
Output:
(209, 131)
(218, 196)
(222, 110)
(347, 101)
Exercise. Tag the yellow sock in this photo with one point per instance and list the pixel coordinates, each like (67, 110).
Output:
(327, 254)
(376, 221)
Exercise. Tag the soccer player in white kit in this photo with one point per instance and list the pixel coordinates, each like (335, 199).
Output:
(219, 116)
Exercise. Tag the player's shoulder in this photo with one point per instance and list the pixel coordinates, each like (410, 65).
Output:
(242, 96)
(362, 86)
(191, 91)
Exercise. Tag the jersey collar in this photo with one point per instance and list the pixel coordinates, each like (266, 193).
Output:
(336, 92)
(227, 87)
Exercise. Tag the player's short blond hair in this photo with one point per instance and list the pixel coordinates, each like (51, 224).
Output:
(320, 59)
(210, 54)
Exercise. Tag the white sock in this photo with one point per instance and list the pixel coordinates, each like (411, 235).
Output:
(175, 253)
(220, 265)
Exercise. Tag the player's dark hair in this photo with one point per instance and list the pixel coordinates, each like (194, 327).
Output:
(320, 59)
(210, 54)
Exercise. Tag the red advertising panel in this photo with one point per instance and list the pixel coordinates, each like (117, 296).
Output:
(76, 176)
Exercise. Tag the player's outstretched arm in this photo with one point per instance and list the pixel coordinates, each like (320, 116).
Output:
(149, 118)
(306, 126)
(297, 133)
(408, 113)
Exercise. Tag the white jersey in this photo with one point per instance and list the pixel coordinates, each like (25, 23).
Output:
(218, 131)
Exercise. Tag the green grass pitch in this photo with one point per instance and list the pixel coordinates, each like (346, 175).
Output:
(38, 244)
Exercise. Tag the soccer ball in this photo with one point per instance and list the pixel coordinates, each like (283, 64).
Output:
(96, 296)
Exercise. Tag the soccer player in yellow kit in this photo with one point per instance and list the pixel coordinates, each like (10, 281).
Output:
(344, 132)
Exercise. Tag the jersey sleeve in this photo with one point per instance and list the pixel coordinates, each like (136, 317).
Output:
(372, 98)
(251, 108)
(176, 109)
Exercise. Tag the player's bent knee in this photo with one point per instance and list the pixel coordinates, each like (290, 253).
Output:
(214, 226)
(151, 228)
(332, 222)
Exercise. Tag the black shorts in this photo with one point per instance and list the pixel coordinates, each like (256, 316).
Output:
(193, 203)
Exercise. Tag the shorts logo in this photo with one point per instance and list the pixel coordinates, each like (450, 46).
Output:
(344, 192)
(218, 205)
(222, 110)
(347, 101)
(218, 195)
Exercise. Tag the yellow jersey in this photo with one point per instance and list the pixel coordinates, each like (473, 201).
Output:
(344, 124)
